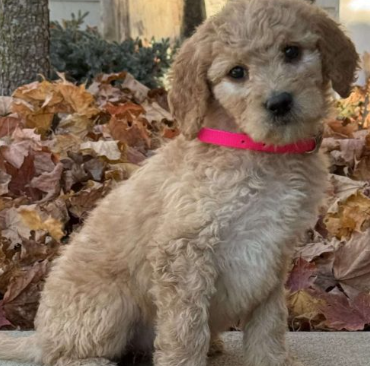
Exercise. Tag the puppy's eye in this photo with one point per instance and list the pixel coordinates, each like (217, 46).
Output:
(238, 72)
(292, 53)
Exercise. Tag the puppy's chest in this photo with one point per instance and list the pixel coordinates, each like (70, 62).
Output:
(257, 228)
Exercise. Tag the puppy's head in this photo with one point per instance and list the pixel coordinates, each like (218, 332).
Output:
(269, 64)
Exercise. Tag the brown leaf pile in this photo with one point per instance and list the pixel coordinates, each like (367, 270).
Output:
(62, 148)
(330, 279)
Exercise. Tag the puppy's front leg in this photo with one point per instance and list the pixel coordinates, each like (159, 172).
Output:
(184, 282)
(264, 334)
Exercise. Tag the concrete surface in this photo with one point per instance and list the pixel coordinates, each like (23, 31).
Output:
(313, 349)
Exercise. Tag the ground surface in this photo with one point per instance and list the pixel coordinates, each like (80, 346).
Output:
(313, 349)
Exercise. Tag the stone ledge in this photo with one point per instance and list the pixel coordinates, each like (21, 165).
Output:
(313, 349)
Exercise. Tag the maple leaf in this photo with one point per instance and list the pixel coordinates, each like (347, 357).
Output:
(38, 94)
(133, 133)
(40, 119)
(43, 162)
(108, 149)
(352, 262)
(352, 214)
(138, 90)
(95, 168)
(343, 314)
(312, 251)
(302, 275)
(304, 306)
(21, 299)
(22, 177)
(8, 125)
(12, 227)
(344, 188)
(76, 125)
(33, 220)
(63, 144)
(362, 169)
(49, 182)
(341, 128)
(127, 110)
(84, 201)
(79, 100)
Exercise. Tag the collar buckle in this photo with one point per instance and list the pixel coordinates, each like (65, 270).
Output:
(318, 141)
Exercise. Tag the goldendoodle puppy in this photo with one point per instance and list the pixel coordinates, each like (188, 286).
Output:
(200, 237)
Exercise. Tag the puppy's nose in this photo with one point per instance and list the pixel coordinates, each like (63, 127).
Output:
(280, 104)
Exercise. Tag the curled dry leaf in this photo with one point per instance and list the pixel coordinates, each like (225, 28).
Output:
(351, 265)
(342, 313)
(352, 215)
(314, 250)
(108, 149)
(5, 106)
(12, 227)
(33, 220)
(49, 182)
(76, 125)
(302, 275)
(22, 296)
(8, 125)
(304, 306)
(344, 188)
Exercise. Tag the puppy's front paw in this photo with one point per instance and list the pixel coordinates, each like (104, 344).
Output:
(292, 361)
(216, 347)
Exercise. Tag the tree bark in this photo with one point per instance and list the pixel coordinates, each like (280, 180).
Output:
(194, 14)
(115, 20)
(24, 42)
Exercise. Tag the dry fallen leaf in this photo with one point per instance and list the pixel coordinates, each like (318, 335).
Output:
(83, 142)
(302, 275)
(108, 149)
(33, 220)
(303, 305)
(8, 125)
(351, 216)
(351, 265)
(4, 322)
(4, 182)
(49, 182)
(5, 106)
(344, 314)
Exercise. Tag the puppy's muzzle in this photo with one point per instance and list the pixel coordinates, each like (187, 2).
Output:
(280, 104)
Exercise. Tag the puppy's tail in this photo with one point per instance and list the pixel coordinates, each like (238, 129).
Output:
(22, 349)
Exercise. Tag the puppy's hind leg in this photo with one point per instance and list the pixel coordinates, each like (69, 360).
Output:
(88, 328)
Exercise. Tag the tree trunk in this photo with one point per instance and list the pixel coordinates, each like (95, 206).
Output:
(115, 20)
(194, 14)
(24, 42)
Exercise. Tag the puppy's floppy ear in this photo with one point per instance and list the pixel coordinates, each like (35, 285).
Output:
(340, 59)
(190, 94)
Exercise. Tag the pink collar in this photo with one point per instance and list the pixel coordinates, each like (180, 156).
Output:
(243, 141)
